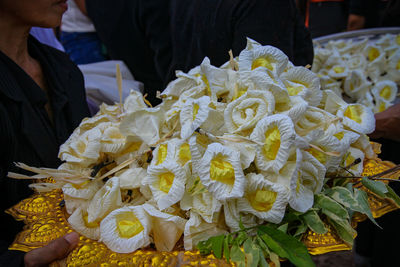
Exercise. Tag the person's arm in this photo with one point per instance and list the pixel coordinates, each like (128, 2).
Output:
(81, 5)
(388, 124)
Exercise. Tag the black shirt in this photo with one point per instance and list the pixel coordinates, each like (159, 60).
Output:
(26, 132)
(157, 37)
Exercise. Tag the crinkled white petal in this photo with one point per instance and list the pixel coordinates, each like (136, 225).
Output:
(196, 230)
(167, 228)
(193, 114)
(110, 229)
(295, 108)
(356, 62)
(303, 82)
(72, 203)
(105, 200)
(275, 151)
(221, 172)
(242, 114)
(351, 155)
(134, 102)
(85, 190)
(233, 216)
(356, 84)
(198, 199)
(132, 178)
(364, 145)
(144, 124)
(314, 118)
(339, 71)
(165, 191)
(381, 105)
(331, 102)
(247, 150)
(198, 145)
(264, 199)
(267, 57)
(78, 221)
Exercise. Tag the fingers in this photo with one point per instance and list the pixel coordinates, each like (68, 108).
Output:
(355, 22)
(55, 250)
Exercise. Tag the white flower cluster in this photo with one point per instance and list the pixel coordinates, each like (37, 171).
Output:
(364, 71)
(240, 142)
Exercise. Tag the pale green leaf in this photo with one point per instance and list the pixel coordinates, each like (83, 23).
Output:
(362, 199)
(263, 262)
(237, 255)
(283, 227)
(314, 222)
(330, 207)
(393, 196)
(217, 243)
(252, 253)
(345, 231)
(376, 187)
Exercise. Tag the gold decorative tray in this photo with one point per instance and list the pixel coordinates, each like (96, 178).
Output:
(46, 219)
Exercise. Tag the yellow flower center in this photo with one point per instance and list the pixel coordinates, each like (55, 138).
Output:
(272, 143)
(385, 92)
(349, 160)
(262, 200)
(398, 65)
(320, 156)
(162, 153)
(184, 153)
(205, 80)
(373, 53)
(338, 69)
(294, 90)
(195, 110)
(94, 224)
(166, 181)
(398, 39)
(262, 62)
(354, 113)
(128, 225)
(221, 170)
(339, 135)
(81, 185)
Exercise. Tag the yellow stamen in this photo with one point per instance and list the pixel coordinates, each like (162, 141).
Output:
(385, 92)
(195, 110)
(354, 113)
(373, 53)
(338, 69)
(184, 153)
(162, 153)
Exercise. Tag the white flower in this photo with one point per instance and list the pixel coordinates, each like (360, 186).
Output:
(134, 102)
(167, 183)
(339, 71)
(356, 62)
(198, 144)
(267, 57)
(105, 200)
(242, 114)
(314, 118)
(277, 134)
(302, 82)
(385, 90)
(79, 222)
(358, 118)
(132, 178)
(126, 229)
(198, 199)
(306, 181)
(166, 228)
(331, 102)
(356, 84)
(349, 158)
(233, 216)
(144, 124)
(394, 67)
(193, 114)
(221, 172)
(264, 199)
(196, 230)
(247, 150)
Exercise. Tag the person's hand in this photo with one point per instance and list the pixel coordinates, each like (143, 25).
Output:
(55, 250)
(388, 124)
(355, 22)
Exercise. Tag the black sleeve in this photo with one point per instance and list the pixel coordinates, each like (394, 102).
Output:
(9, 227)
(358, 7)
(276, 23)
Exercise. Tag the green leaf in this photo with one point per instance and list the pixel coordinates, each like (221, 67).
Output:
(263, 262)
(314, 222)
(241, 226)
(262, 244)
(226, 248)
(301, 229)
(393, 196)
(362, 199)
(204, 247)
(330, 207)
(237, 255)
(242, 236)
(283, 227)
(345, 231)
(217, 243)
(376, 187)
(285, 246)
(251, 252)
